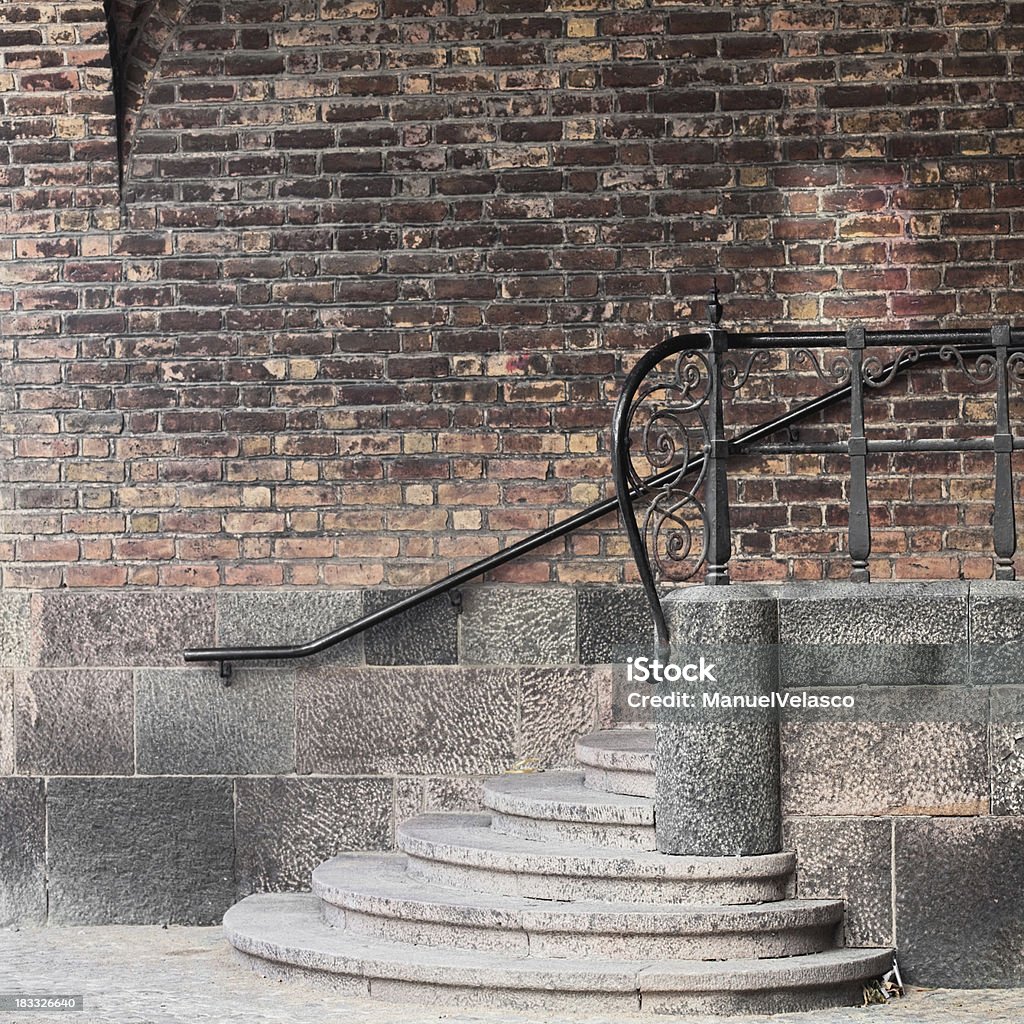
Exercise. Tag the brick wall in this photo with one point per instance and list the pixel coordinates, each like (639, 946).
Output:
(358, 311)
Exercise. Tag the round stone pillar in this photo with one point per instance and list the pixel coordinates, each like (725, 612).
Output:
(717, 772)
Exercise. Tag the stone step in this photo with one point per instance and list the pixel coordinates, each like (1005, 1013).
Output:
(463, 852)
(618, 761)
(555, 807)
(374, 896)
(281, 935)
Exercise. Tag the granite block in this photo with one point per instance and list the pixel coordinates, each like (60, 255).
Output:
(558, 706)
(997, 632)
(916, 750)
(287, 826)
(616, 709)
(22, 852)
(406, 720)
(842, 634)
(122, 629)
(409, 798)
(6, 723)
(248, 618)
(1006, 738)
(717, 772)
(960, 901)
(453, 793)
(188, 723)
(425, 635)
(74, 722)
(849, 859)
(15, 629)
(140, 851)
(743, 613)
(518, 626)
(614, 624)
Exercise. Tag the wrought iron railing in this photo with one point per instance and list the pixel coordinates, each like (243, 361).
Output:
(691, 531)
(225, 656)
(677, 419)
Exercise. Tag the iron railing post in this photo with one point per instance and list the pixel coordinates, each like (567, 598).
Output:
(1004, 526)
(717, 487)
(860, 524)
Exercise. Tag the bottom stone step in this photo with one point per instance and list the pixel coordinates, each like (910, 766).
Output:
(282, 935)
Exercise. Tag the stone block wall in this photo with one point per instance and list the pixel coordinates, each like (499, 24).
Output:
(349, 303)
(136, 790)
(910, 806)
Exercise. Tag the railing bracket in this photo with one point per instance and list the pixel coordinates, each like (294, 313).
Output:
(455, 596)
(224, 671)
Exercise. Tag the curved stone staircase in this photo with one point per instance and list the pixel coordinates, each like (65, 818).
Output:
(557, 900)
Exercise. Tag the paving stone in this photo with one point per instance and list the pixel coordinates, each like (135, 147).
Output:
(15, 629)
(883, 633)
(120, 630)
(924, 751)
(74, 722)
(185, 975)
(188, 723)
(271, 618)
(960, 900)
(6, 723)
(22, 852)
(558, 706)
(406, 720)
(140, 850)
(997, 632)
(518, 626)
(425, 635)
(287, 826)
(1007, 741)
(614, 624)
(850, 859)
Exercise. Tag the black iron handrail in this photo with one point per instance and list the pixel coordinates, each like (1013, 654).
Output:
(700, 375)
(224, 656)
(969, 344)
(281, 652)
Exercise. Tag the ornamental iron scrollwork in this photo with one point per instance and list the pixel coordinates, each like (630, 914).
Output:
(838, 370)
(875, 373)
(1015, 367)
(666, 418)
(733, 378)
(984, 369)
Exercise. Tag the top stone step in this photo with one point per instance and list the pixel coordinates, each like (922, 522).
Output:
(618, 761)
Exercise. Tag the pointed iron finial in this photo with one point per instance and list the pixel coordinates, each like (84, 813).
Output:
(714, 306)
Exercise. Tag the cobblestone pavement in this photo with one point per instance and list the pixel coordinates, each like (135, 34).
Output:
(152, 975)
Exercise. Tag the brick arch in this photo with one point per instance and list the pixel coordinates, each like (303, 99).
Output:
(145, 38)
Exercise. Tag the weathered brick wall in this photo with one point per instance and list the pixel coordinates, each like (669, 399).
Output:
(378, 267)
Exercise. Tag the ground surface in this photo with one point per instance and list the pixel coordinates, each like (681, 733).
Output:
(154, 975)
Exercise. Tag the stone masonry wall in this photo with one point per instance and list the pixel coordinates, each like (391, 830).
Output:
(358, 308)
(135, 790)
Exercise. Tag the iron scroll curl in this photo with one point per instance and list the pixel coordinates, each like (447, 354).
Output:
(674, 529)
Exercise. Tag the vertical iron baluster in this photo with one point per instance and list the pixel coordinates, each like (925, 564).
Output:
(1004, 526)
(860, 525)
(717, 492)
